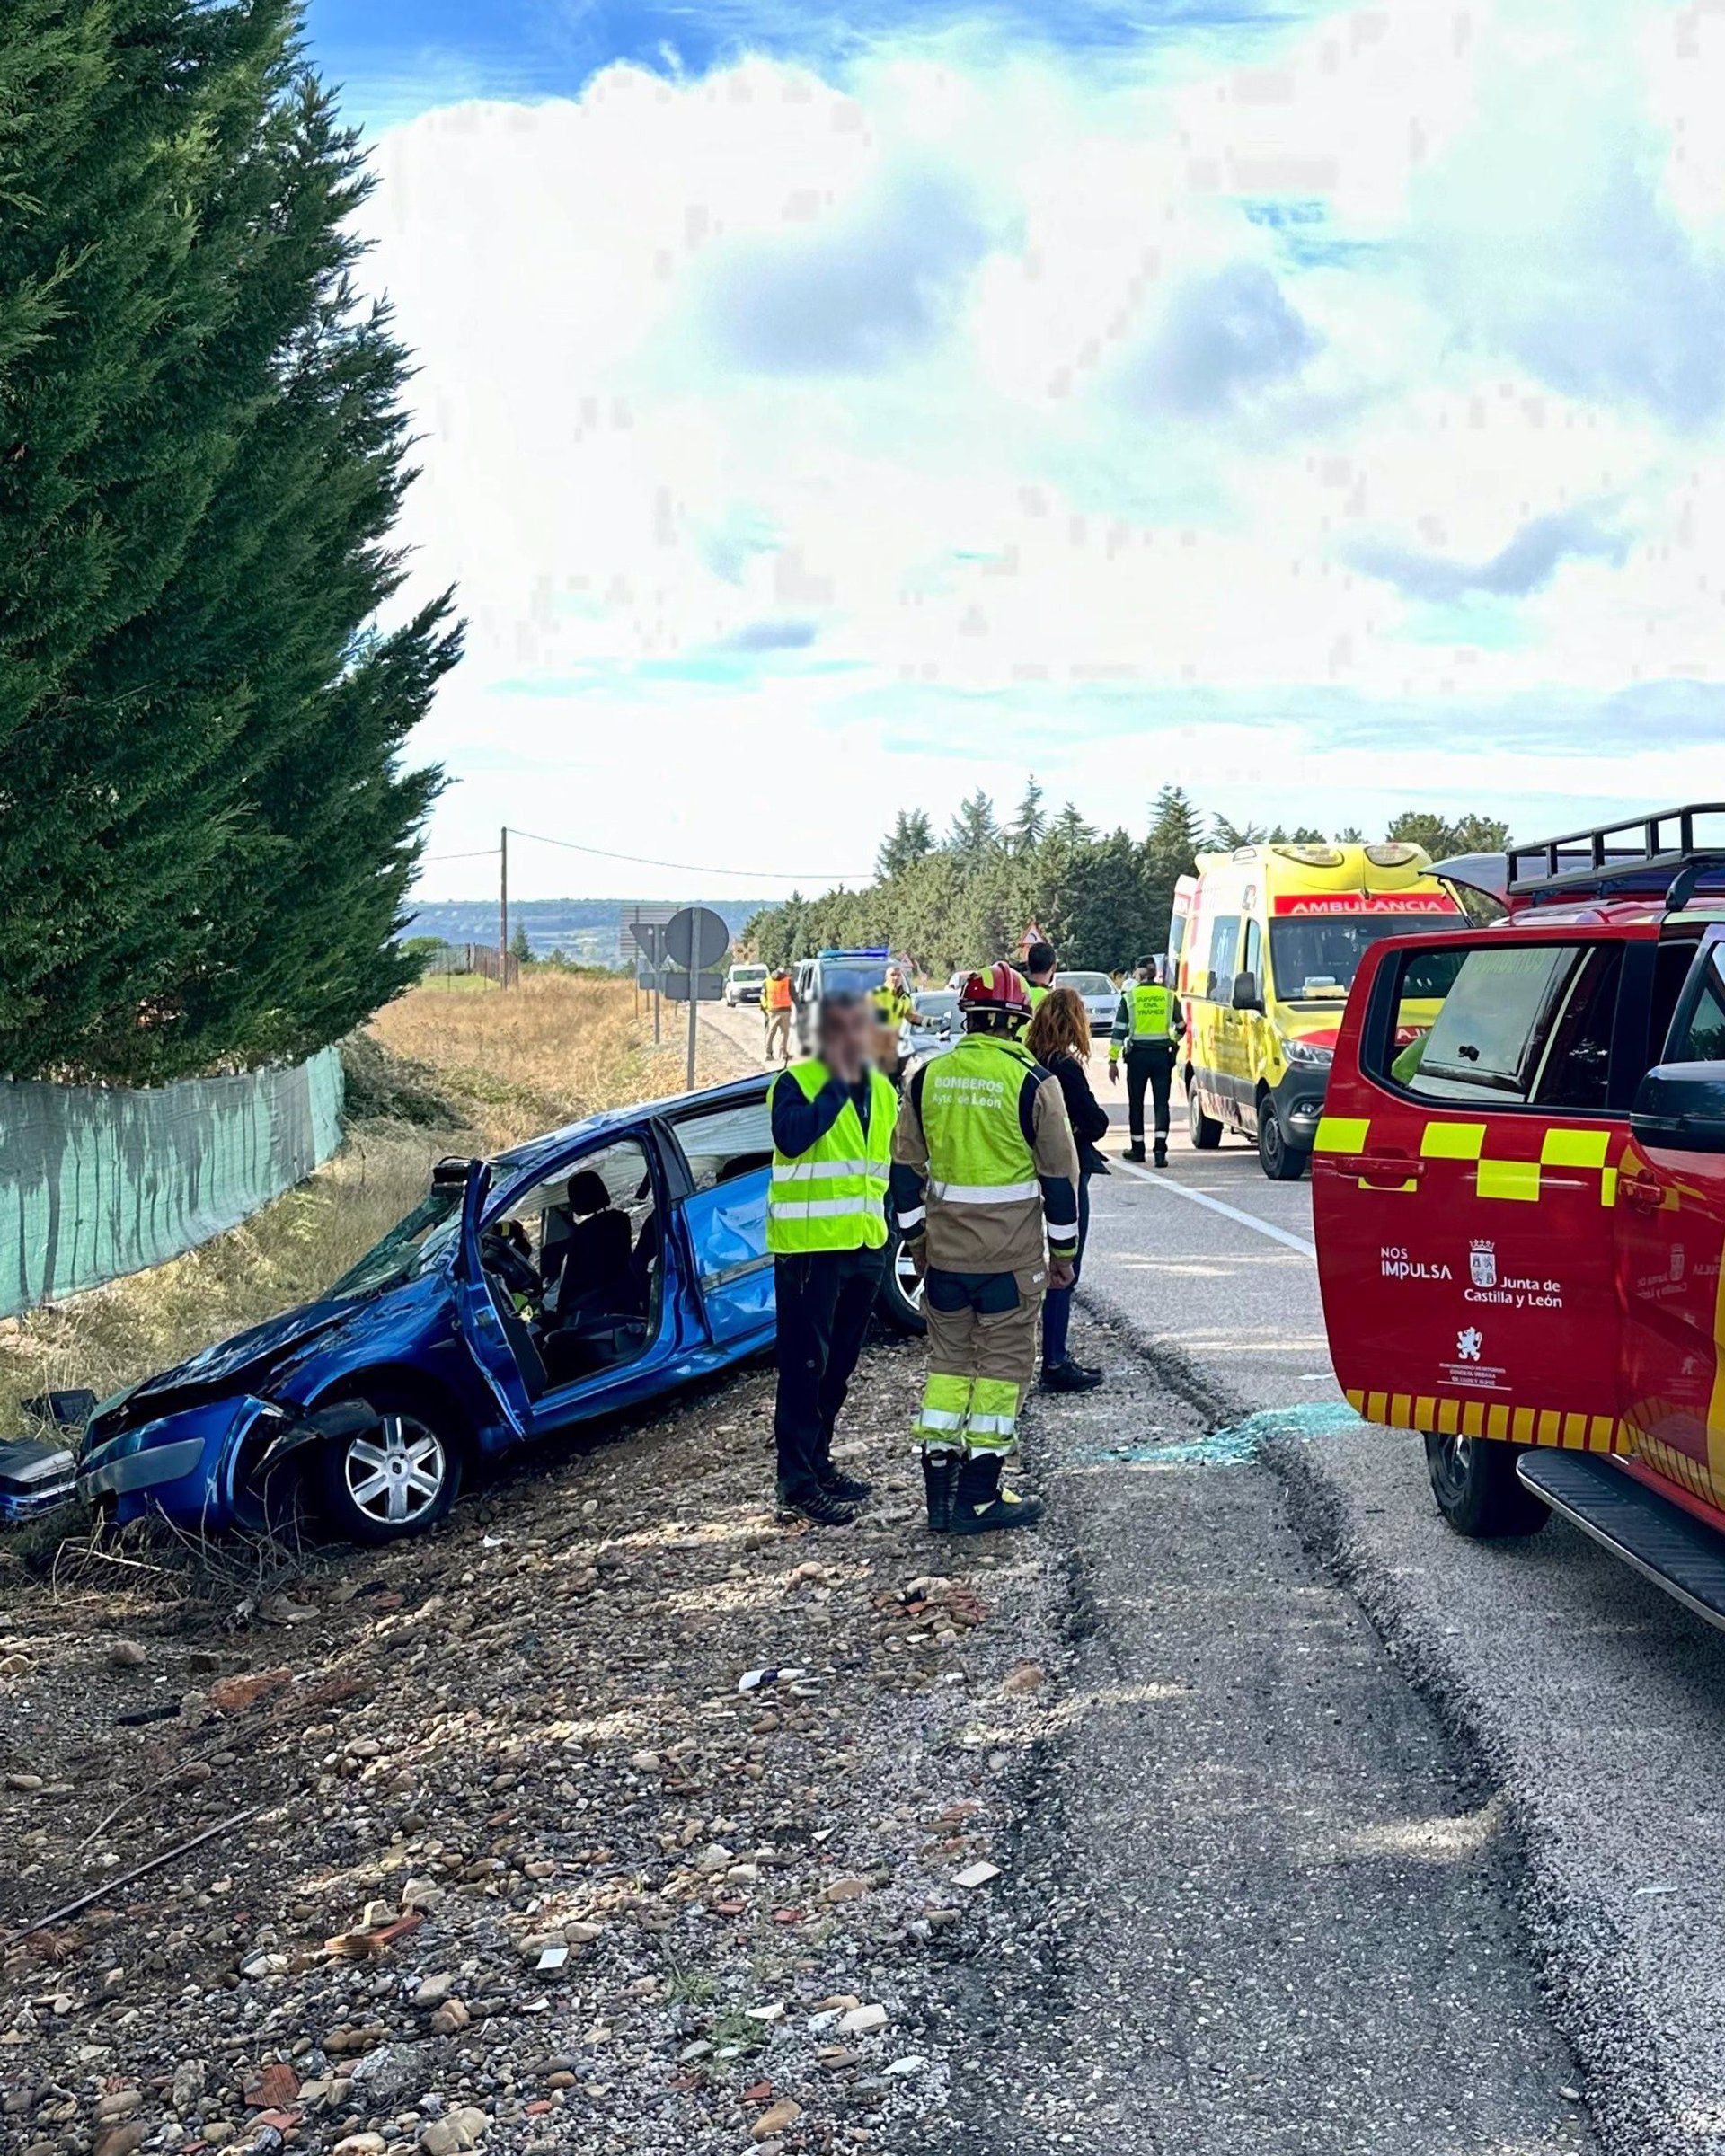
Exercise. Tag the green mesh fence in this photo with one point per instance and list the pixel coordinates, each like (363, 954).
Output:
(97, 1180)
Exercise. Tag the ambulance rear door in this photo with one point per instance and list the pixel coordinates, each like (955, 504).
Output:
(1464, 1182)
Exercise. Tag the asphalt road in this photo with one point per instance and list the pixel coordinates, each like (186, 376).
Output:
(1592, 1704)
(1354, 1838)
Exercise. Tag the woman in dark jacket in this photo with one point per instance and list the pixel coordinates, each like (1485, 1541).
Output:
(1058, 1037)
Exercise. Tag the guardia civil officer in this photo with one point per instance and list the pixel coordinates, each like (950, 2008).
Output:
(1147, 1025)
(832, 1118)
(985, 1189)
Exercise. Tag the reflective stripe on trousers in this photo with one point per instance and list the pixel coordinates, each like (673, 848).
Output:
(975, 1415)
(946, 1402)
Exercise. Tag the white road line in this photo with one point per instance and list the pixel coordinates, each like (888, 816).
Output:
(1162, 1180)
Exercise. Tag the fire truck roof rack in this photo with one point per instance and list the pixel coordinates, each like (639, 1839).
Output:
(1667, 854)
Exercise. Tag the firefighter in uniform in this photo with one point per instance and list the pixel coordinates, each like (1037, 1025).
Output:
(827, 1230)
(1146, 1025)
(984, 1189)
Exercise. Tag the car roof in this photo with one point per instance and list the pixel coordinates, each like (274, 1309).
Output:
(542, 1154)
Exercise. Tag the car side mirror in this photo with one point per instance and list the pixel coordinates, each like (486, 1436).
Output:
(1680, 1107)
(1245, 992)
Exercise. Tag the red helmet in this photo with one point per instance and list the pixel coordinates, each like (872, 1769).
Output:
(1002, 988)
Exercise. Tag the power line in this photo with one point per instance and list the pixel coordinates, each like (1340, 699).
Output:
(689, 868)
(478, 854)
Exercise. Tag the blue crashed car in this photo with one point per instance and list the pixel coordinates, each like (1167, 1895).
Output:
(582, 1274)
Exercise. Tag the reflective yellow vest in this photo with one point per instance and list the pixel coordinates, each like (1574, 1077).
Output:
(833, 1198)
(1153, 1011)
(978, 1152)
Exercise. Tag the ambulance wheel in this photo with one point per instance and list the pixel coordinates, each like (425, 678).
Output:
(1280, 1161)
(900, 1301)
(1474, 1482)
(1206, 1132)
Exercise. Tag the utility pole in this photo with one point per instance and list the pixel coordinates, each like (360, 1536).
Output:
(503, 908)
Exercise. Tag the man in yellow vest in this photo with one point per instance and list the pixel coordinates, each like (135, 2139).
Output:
(985, 1190)
(827, 1229)
(1146, 1025)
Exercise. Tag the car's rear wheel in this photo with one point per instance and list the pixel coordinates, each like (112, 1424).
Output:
(1206, 1132)
(1474, 1482)
(1280, 1161)
(400, 1478)
(900, 1304)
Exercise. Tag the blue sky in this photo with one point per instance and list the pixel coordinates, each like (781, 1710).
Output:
(1319, 406)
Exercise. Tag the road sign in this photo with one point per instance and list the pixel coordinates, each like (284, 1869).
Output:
(696, 945)
(697, 940)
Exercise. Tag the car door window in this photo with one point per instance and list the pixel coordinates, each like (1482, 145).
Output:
(721, 1143)
(1252, 958)
(1701, 1038)
(1515, 1026)
(1224, 945)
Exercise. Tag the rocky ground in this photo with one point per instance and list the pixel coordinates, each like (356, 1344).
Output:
(497, 1853)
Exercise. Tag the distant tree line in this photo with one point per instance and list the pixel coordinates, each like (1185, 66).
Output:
(209, 834)
(1103, 900)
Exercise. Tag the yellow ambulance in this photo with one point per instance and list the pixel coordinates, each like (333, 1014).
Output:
(1263, 949)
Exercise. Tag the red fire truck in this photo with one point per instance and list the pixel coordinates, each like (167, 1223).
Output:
(1519, 1195)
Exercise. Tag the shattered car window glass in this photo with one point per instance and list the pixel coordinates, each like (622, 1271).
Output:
(411, 1246)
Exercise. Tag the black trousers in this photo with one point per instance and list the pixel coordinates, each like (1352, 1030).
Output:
(825, 1304)
(1148, 1062)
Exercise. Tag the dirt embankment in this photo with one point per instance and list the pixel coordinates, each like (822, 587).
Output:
(526, 1868)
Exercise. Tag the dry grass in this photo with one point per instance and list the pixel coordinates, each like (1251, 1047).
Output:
(501, 1068)
(553, 1049)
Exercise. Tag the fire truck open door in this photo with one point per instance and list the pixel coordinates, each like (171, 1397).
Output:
(1464, 1179)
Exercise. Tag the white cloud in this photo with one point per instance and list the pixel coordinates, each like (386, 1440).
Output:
(834, 443)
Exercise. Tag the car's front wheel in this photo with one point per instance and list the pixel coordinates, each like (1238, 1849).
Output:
(1477, 1489)
(396, 1478)
(1206, 1132)
(1280, 1161)
(901, 1293)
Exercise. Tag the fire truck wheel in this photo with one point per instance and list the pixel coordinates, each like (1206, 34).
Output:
(1474, 1480)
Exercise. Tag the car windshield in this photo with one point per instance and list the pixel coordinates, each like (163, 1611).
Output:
(852, 976)
(1314, 960)
(748, 973)
(1087, 984)
(411, 1246)
(935, 1005)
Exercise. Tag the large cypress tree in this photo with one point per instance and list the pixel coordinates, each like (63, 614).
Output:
(206, 833)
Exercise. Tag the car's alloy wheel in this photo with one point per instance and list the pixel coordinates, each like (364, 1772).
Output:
(398, 1473)
(396, 1478)
(901, 1293)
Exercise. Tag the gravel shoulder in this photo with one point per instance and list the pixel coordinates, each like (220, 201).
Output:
(525, 1871)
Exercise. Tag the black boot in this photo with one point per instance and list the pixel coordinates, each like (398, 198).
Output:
(984, 1503)
(940, 1473)
(813, 1504)
(1134, 1150)
(1161, 1152)
(1068, 1376)
(849, 1489)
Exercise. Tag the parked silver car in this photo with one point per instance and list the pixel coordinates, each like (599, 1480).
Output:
(1100, 996)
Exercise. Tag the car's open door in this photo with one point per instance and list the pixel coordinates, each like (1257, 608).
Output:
(1464, 1178)
(485, 1321)
(723, 1151)
(1670, 1228)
